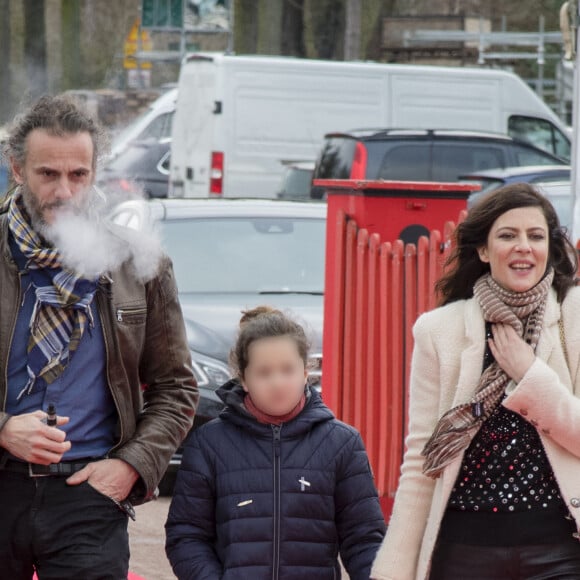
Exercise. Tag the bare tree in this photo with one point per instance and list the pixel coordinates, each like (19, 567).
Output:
(293, 28)
(246, 26)
(71, 44)
(352, 30)
(372, 27)
(104, 29)
(35, 47)
(327, 19)
(5, 101)
(270, 27)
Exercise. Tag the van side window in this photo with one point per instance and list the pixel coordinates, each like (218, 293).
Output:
(406, 162)
(541, 134)
(452, 160)
(159, 128)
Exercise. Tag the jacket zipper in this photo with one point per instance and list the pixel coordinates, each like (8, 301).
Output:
(123, 311)
(109, 308)
(277, 500)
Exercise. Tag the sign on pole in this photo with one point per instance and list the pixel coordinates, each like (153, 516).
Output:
(136, 41)
(138, 72)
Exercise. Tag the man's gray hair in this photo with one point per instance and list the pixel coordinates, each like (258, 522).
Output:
(60, 115)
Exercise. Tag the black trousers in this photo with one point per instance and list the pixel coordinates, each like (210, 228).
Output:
(538, 562)
(60, 531)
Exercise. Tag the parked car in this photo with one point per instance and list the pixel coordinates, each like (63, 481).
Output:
(4, 179)
(493, 178)
(154, 123)
(141, 169)
(420, 155)
(4, 170)
(297, 180)
(231, 255)
(560, 194)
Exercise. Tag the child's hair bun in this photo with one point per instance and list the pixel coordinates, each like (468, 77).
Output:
(265, 322)
(248, 315)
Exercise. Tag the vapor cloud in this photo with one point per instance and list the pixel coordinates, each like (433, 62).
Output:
(90, 245)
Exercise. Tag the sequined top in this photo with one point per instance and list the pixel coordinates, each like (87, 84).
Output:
(505, 468)
(505, 471)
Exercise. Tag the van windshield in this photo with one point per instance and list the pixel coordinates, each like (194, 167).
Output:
(541, 134)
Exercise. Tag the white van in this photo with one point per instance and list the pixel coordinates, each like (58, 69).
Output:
(239, 118)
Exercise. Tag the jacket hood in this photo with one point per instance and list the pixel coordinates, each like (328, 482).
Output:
(232, 394)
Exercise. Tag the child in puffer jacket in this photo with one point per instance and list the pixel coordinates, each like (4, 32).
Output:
(276, 487)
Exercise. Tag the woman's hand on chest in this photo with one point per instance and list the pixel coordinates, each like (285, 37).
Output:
(510, 351)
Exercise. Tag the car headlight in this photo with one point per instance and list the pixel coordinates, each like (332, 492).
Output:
(209, 373)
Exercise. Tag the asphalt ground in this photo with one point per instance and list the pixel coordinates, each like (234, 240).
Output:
(147, 541)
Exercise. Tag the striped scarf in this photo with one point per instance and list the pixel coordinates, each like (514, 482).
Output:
(63, 302)
(524, 311)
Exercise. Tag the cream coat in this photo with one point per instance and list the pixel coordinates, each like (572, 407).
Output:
(446, 366)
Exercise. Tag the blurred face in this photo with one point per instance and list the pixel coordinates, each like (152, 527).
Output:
(275, 376)
(517, 249)
(57, 173)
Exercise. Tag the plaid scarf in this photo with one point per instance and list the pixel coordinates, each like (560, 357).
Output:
(63, 302)
(524, 311)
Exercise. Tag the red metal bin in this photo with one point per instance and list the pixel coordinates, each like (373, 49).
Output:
(370, 301)
(395, 210)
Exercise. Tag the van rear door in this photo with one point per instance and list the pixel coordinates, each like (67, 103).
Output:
(193, 128)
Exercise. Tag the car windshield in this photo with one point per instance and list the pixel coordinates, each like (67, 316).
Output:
(247, 255)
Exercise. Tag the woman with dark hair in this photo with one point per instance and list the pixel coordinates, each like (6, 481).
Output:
(490, 483)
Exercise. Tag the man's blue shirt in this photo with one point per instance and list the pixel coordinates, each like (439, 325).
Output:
(80, 392)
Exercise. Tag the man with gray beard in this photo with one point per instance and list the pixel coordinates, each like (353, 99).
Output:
(104, 345)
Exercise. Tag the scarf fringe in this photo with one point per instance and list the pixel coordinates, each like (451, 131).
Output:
(443, 451)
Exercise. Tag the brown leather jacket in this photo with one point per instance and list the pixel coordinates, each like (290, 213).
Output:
(149, 367)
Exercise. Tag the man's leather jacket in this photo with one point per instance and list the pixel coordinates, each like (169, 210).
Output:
(148, 367)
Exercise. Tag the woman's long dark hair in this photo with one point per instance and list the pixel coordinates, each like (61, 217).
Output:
(464, 265)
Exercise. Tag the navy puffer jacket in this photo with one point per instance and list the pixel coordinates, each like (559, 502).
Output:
(257, 502)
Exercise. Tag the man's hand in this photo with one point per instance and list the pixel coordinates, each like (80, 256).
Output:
(511, 352)
(111, 477)
(28, 438)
